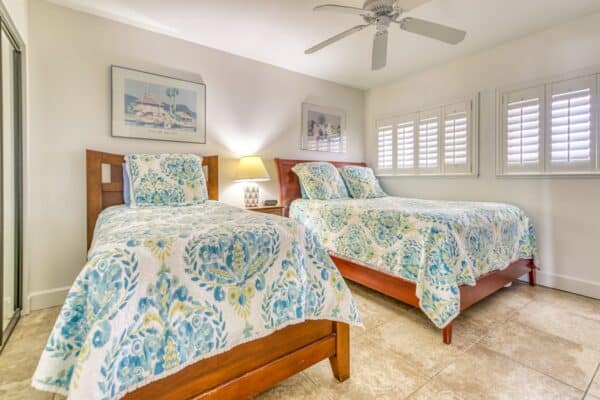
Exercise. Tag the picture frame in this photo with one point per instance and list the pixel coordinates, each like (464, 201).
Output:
(157, 107)
(323, 129)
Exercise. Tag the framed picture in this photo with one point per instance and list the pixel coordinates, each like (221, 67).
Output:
(151, 106)
(323, 129)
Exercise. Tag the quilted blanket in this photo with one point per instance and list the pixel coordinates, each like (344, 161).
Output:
(165, 287)
(438, 245)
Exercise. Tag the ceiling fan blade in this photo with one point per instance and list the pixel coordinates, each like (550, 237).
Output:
(432, 30)
(344, 9)
(335, 38)
(379, 50)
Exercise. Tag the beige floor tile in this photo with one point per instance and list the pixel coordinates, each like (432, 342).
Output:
(33, 344)
(580, 305)
(375, 310)
(530, 346)
(415, 340)
(483, 374)
(561, 322)
(17, 367)
(594, 389)
(373, 375)
(296, 387)
(22, 390)
(473, 323)
(436, 390)
(590, 397)
(37, 322)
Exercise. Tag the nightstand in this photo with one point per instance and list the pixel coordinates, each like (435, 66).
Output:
(275, 210)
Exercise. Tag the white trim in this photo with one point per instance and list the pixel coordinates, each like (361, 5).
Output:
(47, 298)
(567, 283)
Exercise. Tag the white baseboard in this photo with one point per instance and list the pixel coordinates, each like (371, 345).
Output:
(48, 298)
(567, 283)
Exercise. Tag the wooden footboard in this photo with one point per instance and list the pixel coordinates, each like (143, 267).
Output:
(253, 367)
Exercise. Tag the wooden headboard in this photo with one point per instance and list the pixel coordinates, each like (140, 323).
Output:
(105, 194)
(289, 185)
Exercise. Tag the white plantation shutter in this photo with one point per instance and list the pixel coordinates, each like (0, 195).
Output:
(570, 142)
(457, 138)
(385, 146)
(440, 141)
(405, 144)
(428, 141)
(522, 130)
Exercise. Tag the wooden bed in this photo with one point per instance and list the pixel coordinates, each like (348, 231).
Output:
(393, 286)
(247, 369)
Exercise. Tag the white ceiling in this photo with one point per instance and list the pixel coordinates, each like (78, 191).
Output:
(278, 31)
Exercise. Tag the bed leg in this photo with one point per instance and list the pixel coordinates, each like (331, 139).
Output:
(447, 334)
(531, 274)
(340, 362)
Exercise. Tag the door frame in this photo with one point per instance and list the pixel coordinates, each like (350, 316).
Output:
(9, 28)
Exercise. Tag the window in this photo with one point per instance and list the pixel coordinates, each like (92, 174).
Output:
(385, 147)
(438, 141)
(522, 130)
(429, 133)
(570, 138)
(457, 141)
(550, 129)
(405, 144)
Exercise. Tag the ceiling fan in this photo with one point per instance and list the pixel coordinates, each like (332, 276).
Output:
(383, 13)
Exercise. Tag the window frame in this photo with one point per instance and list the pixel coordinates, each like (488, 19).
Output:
(545, 88)
(441, 169)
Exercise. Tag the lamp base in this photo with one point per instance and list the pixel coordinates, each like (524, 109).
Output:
(251, 195)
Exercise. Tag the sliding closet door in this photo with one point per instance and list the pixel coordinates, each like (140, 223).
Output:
(10, 198)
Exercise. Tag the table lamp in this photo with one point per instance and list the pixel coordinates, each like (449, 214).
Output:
(251, 169)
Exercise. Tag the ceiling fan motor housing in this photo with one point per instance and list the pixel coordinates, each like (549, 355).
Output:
(380, 7)
(385, 12)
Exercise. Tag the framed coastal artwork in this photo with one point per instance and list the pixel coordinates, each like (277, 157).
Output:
(323, 129)
(151, 106)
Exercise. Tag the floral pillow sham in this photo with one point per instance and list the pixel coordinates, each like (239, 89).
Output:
(320, 181)
(165, 180)
(361, 182)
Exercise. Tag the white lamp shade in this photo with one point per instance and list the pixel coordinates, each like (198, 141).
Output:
(251, 169)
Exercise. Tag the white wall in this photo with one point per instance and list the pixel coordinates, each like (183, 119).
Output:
(251, 108)
(565, 211)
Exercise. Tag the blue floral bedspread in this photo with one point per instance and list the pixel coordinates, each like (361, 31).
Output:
(165, 287)
(439, 245)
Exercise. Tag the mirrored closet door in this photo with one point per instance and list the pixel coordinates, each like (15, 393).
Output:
(10, 178)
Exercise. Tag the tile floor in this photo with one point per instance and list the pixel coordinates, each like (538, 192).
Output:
(521, 343)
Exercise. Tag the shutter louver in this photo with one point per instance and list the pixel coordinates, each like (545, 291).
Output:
(385, 156)
(405, 139)
(570, 139)
(522, 133)
(428, 142)
(456, 138)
